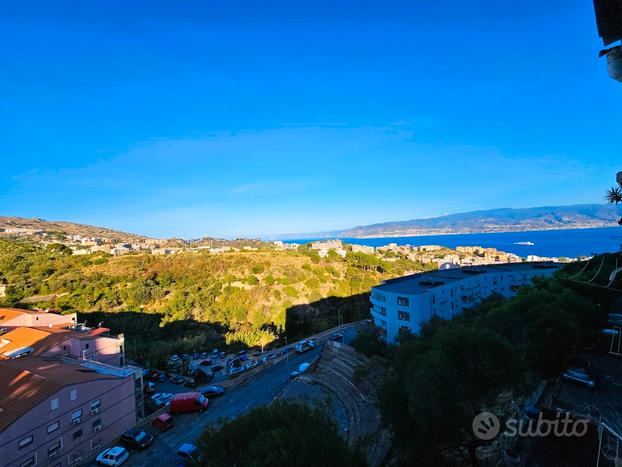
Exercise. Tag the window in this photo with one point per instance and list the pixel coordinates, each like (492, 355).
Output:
(379, 297)
(54, 403)
(403, 316)
(433, 298)
(382, 310)
(97, 424)
(403, 301)
(29, 462)
(77, 435)
(64, 348)
(27, 441)
(96, 405)
(87, 345)
(75, 416)
(54, 448)
(52, 427)
(73, 394)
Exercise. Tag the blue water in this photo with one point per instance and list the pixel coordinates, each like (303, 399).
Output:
(570, 243)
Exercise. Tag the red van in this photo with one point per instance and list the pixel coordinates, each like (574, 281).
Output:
(188, 402)
(163, 422)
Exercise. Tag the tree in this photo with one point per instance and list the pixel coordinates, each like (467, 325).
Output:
(282, 433)
(438, 383)
(614, 195)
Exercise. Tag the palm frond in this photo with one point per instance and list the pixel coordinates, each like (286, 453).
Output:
(614, 195)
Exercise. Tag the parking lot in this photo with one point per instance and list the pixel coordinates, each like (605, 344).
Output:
(260, 390)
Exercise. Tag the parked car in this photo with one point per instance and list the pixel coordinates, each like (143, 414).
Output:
(252, 364)
(304, 346)
(163, 422)
(136, 439)
(174, 359)
(161, 378)
(149, 387)
(153, 375)
(177, 379)
(215, 353)
(580, 372)
(217, 368)
(236, 370)
(270, 356)
(203, 355)
(113, 456)
(212, 391)
(188, 402)
(207, 362)
(192, 383)
(337, 336)
(188, 454)
(161, 399)
(293, 375)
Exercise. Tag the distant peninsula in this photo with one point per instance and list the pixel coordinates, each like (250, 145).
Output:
(492, 220)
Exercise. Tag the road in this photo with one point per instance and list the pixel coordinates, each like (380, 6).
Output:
(260, 390)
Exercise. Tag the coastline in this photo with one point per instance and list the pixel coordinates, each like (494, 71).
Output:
(426, 233)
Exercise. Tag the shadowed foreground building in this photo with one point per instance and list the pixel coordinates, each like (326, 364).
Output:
(64, 389)
(406, 302)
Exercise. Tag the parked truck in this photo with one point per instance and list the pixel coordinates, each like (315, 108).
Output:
(188, 402)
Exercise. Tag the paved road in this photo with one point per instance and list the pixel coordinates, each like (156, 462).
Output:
(261, 390)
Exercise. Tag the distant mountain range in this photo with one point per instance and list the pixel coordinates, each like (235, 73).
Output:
(491, 220)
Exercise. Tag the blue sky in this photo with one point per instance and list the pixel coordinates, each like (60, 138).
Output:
(232, 119)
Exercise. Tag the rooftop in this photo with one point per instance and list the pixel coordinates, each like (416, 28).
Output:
(424, 281)
(42, 339)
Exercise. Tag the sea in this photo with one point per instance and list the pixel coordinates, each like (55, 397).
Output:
(570, 243)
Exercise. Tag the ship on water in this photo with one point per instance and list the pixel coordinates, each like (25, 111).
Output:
(524, 243)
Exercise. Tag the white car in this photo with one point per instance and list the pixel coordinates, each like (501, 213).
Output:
(113, 456)
(161, 398)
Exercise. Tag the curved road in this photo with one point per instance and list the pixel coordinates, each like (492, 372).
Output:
(260, 390)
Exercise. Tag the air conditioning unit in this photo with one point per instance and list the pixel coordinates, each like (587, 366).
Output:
(95, 411)
(97, 428)
(76, 421)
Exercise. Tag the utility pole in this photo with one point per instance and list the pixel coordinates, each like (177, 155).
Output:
(287, 357)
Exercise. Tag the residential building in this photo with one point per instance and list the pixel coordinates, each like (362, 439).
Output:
(327, 245)
(57, 412)
(15, 317)
(407, 302)
(363, 249)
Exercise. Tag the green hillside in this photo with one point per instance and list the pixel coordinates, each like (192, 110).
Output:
(245, 297)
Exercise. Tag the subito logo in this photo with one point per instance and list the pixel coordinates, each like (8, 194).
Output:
(486, 426)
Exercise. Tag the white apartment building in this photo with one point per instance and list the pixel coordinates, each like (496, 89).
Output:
(407, 302)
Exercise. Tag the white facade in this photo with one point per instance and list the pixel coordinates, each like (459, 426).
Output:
(409, 301)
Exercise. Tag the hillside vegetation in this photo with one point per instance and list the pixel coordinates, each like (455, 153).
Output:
(247, 297)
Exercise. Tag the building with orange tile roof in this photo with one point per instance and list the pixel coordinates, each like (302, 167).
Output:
(55, 411)
(14, 317)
